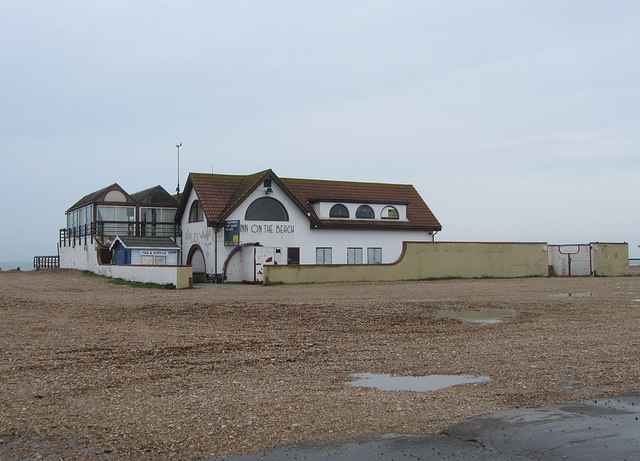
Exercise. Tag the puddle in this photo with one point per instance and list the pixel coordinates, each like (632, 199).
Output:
(567, 295)
(477, 315)
(413, 383)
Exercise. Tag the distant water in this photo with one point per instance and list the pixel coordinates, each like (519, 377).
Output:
(23, 265)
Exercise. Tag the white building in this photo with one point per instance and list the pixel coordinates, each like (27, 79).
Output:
(96, 220)
(232, 225)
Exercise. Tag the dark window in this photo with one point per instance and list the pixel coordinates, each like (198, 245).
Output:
(339, 211)
(196, 214)
(266, 209)
(267, 183)
(365, 212)
(293, 255)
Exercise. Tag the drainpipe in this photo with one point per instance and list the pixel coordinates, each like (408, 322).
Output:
(215, 250)
(433, 235)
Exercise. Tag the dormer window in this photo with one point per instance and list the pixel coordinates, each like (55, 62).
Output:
(365, 212)
(390, 212)
(339, 211)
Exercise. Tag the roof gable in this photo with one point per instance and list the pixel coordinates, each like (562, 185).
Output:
(245, 187)
(98, 196)
(216, 192)
(157, 196)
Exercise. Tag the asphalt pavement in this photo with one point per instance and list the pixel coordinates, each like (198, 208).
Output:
(604, 429)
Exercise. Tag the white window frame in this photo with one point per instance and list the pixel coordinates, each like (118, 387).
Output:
(374, 255)
(116, 226)
(324, 255)
(160, 222)
(354, 255)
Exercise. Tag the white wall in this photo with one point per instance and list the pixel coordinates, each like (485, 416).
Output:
(81, 257)
(160, 275)
(84, 257)
(198, 233)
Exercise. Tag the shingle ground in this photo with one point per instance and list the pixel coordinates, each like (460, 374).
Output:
(93, 370)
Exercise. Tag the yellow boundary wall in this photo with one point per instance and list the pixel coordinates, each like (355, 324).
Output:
(610, 259)
(429, 260)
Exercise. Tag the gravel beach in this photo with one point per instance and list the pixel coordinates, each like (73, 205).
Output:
(94, 370)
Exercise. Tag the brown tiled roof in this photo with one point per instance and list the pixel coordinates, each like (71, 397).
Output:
(308, 191)
(221, 194)
(245, 187)
(217, 193)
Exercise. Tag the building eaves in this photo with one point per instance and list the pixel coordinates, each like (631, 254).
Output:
(163, 243)
(95, 196)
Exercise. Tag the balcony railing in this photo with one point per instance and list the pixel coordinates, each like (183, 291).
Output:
(103, 230)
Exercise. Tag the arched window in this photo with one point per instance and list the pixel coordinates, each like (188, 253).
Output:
(339, 211)
(266, 209)
(195, 213)
(365, 212)
(390, 212)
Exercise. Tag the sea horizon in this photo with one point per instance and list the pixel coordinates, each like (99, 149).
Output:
(12, 265)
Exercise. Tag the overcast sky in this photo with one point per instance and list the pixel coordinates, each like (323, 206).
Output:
(516, 121)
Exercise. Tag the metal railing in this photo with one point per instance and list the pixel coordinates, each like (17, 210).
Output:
(46, 262)
(71, 237)
(101, 230)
